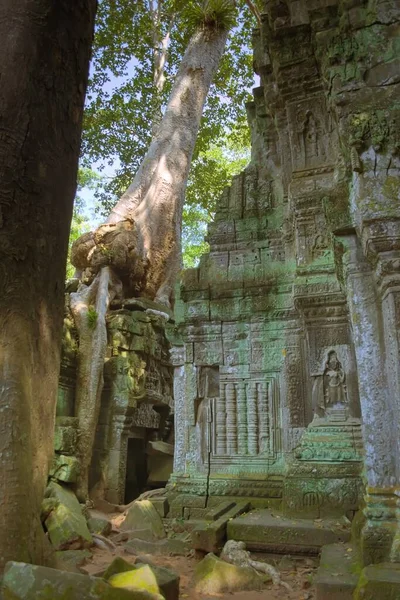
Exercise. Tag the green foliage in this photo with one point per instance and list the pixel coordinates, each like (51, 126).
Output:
(80, 223)
(92, 317)
(122, 97)
(220, 14)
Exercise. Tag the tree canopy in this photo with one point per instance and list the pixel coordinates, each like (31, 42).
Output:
(137, 51)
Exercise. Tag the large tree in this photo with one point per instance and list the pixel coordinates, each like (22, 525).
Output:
(137, 251)
(45, 48)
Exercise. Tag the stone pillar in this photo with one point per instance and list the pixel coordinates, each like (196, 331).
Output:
(263, 411)
(220, 433)
(231, 428)
(252, 419)
(177, 358)
(377, 402)
(242, 418)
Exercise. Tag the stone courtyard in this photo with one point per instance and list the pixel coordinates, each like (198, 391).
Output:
(265, 408)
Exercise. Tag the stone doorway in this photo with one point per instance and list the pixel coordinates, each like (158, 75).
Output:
(136, 469)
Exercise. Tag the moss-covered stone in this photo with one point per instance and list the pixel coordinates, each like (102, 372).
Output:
(65, 468)
(142, 515)
(140, 578)
(99, 525)
(66, 523)
(215, 576)
(23, 581)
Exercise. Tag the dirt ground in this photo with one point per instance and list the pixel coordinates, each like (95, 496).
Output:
(297, 572)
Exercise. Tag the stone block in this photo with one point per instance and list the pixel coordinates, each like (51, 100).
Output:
(215, 576)
(142, 515)
(380, 581)
(65, 468)
(65, 439)
(161, 505)
(99, 525)
(70, 560)
(23, 581)
(263, 531)
(138, 578)
(338, 573)
(210, 536)
(165, 547)
(66, 524)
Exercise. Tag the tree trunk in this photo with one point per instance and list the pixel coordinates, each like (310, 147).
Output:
(45, 47)
(89, 307)
(154, 201)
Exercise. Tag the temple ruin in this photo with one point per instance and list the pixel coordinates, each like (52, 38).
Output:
(275, 384)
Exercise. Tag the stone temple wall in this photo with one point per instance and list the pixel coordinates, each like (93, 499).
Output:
(134, 438)
(290, 323)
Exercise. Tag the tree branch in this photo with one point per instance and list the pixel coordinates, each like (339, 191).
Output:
(254, 10)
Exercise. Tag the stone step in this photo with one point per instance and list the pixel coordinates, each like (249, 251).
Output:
(265, 531)
(209, 536)
(338, 573)
(379, 582)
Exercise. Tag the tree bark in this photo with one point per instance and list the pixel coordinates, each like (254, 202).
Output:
(89, 306)
(45, 48)
(154, 201)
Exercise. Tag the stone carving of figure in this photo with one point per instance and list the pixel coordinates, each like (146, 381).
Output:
(330, 389)
(334, 381)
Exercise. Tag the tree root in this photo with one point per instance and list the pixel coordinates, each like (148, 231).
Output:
(236, 554)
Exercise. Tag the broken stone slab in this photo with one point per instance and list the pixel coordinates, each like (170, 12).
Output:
(71, 560)
(167, 580)
(380, 581)
(209, 536)
(65, 468)
(264, 531)
(65, 436)
(99, 525)
(161, 505)
(143, 515)
(215, 576)
(66, 524)
(165, 547)
(338, 573)
(138, 578)
(22, 581)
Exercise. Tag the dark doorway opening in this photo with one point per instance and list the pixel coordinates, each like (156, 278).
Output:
(136, 469)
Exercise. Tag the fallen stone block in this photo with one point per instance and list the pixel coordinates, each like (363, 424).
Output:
(143, 515)
(209, 536)
(381, 581)
(215, 576)
(99, 525)
(71, 560)
(65, 468)
(66, 524)
(23, 581)
(167, 580)
(337, 574)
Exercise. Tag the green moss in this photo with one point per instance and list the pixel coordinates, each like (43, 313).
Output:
(92, 317)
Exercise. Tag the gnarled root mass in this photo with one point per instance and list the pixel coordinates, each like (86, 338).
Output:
(89, 307)
(236, 554)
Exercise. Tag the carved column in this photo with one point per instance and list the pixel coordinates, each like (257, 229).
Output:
(221, 421)
(241, 418)
(177, 358)
(376, 403)
(263, 406)
(231, 429)
(252, 419)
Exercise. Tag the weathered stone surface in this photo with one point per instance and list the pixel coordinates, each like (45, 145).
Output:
(65, 468)
(261, 530)
(210, 536)
(66, 524)
(379, 581)
(167, 546)
(338, 572)
(215, 576)
(65, 438)
(166, 579)
(142, 515)
(70, 560)
(140, 578)
(22, 581)
(99, 525)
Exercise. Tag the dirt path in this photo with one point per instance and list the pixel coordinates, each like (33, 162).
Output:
(298, 573)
